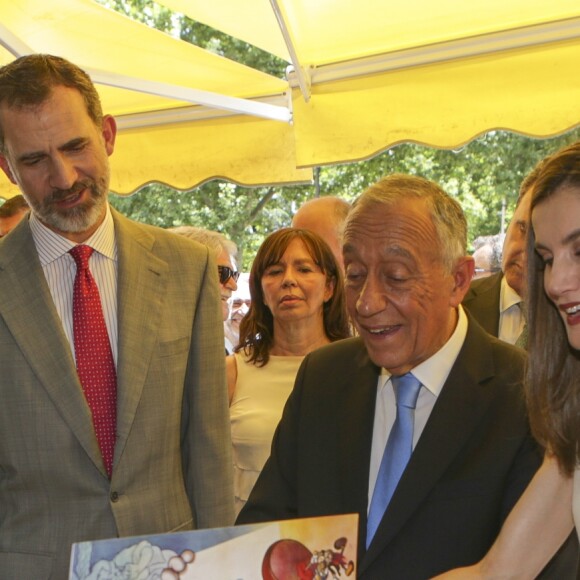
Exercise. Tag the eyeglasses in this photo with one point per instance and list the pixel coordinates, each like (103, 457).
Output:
(226, 273)
(484, 270)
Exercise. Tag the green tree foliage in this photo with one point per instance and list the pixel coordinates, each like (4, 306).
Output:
(484, 175)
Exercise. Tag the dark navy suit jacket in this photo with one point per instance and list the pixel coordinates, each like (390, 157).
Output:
(473, 460)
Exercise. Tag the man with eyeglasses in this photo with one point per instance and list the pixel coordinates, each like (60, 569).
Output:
(225, 252)
(228, 281)
(241, 302)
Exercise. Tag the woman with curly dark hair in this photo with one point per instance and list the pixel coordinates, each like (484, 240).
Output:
(298, 305)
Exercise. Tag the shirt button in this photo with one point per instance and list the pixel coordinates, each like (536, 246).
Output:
(114, 496)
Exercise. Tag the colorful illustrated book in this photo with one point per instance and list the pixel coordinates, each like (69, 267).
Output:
(322, 548)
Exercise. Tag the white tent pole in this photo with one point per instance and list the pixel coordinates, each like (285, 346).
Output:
(196, 96)
(302, 78)
(18, 48)
(514, 39)
(12, 43)
(186, 114)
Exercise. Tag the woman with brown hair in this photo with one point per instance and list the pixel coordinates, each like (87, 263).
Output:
(297, 306)
(549, 508)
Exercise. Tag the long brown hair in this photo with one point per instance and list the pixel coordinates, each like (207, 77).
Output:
(257, 327)
(553, 372)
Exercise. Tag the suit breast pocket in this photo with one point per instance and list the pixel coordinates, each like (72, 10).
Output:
(460, 489)
(174, 347)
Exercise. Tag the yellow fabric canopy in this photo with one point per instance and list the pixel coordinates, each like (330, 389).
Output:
(365, 75)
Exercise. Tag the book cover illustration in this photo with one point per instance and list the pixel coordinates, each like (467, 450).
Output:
(321, 548)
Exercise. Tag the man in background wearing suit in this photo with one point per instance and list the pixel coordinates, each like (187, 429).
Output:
(116, 424)
(496, 302)
(418, 425)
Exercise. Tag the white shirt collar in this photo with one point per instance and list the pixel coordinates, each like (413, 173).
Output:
(433, 372)
(51, 246)
(508, 297)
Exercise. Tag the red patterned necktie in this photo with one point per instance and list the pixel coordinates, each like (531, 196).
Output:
(94, 358)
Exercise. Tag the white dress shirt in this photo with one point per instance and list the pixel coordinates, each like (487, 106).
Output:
(432, 374)
(59, 268)
(511, 319)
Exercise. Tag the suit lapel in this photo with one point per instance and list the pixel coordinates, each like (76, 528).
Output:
(142, 281)
(357, 409)
(28, 310)
(483, 301)
(458, 410)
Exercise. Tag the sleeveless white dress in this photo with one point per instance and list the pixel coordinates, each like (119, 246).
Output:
(255, 411)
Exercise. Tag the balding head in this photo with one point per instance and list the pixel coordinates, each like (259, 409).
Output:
(324, 216)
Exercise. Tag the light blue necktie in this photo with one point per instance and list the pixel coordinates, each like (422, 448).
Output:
(397, 451)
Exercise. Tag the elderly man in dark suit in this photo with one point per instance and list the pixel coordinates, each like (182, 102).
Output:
(418, 425)
(114, 418)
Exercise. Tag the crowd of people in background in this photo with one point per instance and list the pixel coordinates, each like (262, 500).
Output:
(365, 364)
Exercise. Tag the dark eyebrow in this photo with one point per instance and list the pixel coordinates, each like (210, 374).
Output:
(69, 145)
(31, 156)
(74, 143)
(571, 237)
(398, 251)
(347, 247)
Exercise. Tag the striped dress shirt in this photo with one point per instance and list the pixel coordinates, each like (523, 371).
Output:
(60, 270)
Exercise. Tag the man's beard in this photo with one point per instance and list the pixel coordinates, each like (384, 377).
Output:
(77, 219)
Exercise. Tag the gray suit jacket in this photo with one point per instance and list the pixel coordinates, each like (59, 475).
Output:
(482, 301)
(172, 468)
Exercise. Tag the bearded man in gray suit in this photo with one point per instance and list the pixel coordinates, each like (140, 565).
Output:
(171, 464)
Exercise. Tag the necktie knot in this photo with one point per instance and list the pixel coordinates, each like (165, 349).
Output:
(407, 389)
(81, 255)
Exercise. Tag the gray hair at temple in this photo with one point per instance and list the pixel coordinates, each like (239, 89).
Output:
(215, 241)
(446, 213)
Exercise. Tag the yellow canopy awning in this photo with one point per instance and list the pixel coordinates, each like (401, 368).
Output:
(365, 75)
